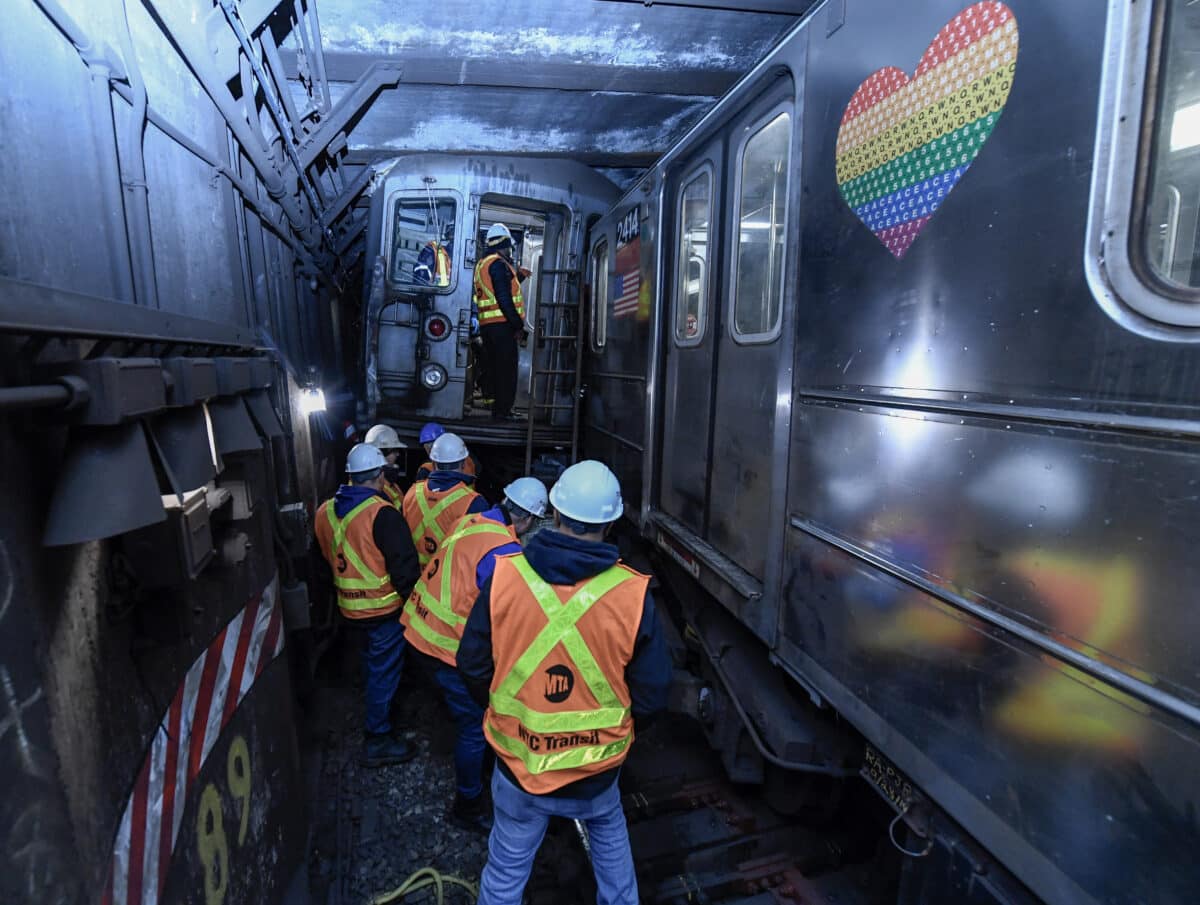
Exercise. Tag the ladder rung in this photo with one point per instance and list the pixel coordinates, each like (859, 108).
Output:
(563, 371)
(560, 336)
(558, 304)
(550, 405)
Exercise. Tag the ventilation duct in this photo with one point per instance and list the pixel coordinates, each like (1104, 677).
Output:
(107, 486)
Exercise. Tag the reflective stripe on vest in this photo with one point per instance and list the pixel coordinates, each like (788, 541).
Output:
(441, 604)
(428, 525)
(369, 580)
(485, 293)
(394, 493)
(561, 629)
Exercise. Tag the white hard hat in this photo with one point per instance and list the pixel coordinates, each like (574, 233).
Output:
(364, 458)
(383, 436)
(497, 233)
(447, 449)
(529, 494)
(588, 492)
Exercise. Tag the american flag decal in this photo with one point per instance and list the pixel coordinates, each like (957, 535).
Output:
(204, 702)
(628, 280)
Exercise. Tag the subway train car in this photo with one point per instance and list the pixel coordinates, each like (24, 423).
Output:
(418, 359)
(895, 353)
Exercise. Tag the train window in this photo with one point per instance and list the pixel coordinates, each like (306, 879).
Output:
(691, 278)
(762, 222)
(599, 281)
(1170, 235)
(423, 243)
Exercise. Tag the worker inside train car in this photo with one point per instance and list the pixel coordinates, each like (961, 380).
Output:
(385, 439)
(501, 308)
(430, 432)
(437, 610)
(433, 261)
(375, 565)
(565, 649)
(433, 507)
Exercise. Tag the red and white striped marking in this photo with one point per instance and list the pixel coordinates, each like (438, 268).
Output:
(205, 700)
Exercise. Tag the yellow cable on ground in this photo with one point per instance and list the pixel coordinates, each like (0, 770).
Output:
(423, 879)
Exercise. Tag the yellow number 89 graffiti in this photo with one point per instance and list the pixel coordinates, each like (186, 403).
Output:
(211, 843)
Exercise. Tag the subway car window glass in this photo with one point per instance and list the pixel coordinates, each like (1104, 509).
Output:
(762, 222)
(423, 243)
(599, 295)
(1171, 239)
(691, 279)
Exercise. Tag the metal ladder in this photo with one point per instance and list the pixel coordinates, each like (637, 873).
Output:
(559, 328)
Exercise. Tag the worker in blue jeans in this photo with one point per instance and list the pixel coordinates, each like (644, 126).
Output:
(565, 646)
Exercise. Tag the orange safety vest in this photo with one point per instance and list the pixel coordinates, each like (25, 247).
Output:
(429, 468)
(394, 493)
(432, 514)
(437, 609)
(360, 575)
(559, 708)
(485, 292)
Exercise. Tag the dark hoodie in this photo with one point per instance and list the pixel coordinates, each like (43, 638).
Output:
(565, 559)
(391, 536)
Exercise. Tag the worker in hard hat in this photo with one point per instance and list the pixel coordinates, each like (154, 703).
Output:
(429, 433)
(437, 610)
(368, 546)
(501, 308)
(385, 439)
(433, 507)
(433, 261)
(565, 647)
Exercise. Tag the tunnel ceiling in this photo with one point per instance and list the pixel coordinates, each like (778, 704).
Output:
(607, 82)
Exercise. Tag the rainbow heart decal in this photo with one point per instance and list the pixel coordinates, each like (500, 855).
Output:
(904, 143)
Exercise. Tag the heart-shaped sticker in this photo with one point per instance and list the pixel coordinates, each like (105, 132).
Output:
(904, 143)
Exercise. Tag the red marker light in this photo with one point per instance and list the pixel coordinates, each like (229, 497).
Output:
(437, 328)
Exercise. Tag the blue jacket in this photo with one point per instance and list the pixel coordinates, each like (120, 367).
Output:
(487, 565)
(564, 559)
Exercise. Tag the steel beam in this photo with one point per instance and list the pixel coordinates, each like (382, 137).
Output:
(377, 77)
(350, 67)
(792, 8)
(348, 195)
(593, 158)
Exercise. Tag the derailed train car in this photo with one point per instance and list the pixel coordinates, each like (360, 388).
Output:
(418, 359)
(895, 352)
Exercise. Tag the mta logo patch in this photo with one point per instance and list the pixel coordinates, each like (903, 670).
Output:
(560, 682)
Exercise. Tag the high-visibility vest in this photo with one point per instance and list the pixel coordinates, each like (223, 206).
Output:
(437, 609)
(394, 493)
(441, 273)
(432, 514)
(559, 708)
(468, 468)
(485, 292)
(360, 575)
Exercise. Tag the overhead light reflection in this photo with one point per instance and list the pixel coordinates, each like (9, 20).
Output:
(312, 400)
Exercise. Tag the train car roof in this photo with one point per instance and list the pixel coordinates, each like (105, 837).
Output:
(610, 83)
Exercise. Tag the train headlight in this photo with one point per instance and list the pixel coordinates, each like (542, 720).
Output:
(433, 376)
(437, 327)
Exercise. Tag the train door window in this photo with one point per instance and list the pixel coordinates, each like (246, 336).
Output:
(423, 243)
(1171, 243)
(691, 279)
(1143, 255)
(599, 282)
(762, 222)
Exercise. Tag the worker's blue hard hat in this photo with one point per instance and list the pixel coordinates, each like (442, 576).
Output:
(431, 432)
